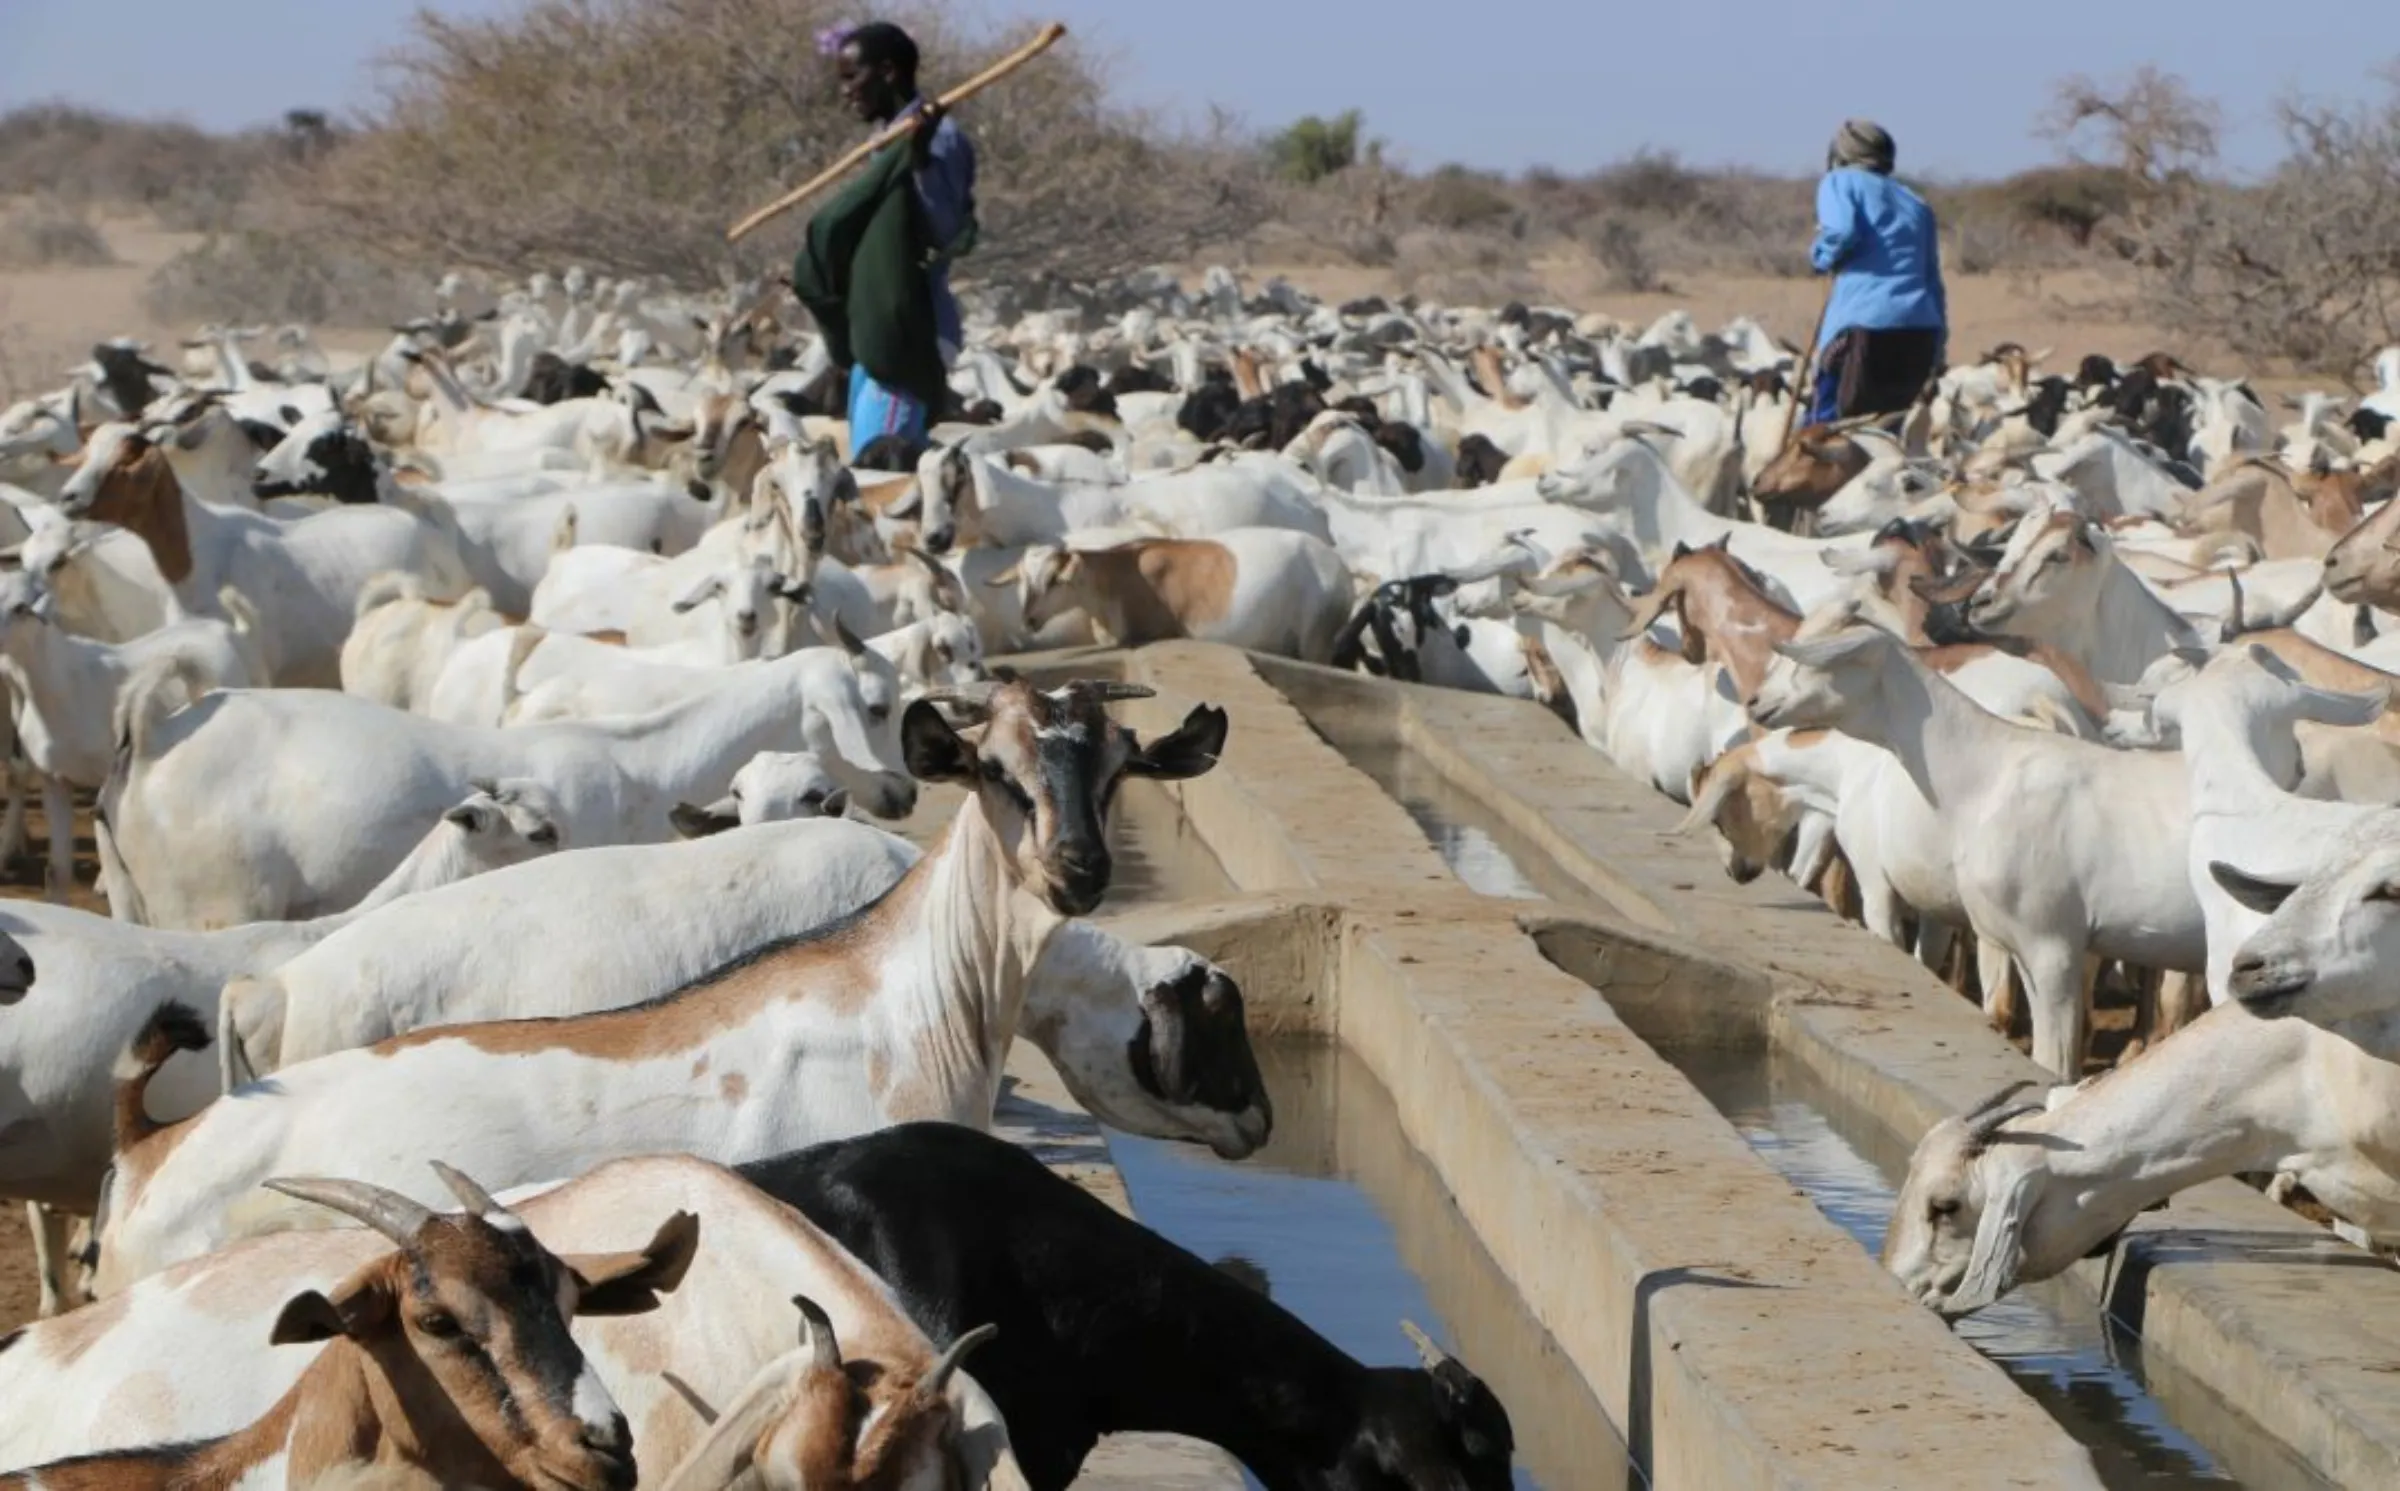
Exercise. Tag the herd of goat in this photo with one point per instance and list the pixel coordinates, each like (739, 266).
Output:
(480, 737)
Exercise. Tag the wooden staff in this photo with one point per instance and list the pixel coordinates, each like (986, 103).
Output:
(1048, 38)
(1806, 392)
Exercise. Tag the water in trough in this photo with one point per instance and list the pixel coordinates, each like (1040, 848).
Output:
(2145, 1427)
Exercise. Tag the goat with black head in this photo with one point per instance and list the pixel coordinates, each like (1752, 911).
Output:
(971, 1230)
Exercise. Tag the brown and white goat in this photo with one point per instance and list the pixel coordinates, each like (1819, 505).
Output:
(450, 1356)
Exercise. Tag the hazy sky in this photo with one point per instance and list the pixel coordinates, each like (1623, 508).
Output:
(1502, 83)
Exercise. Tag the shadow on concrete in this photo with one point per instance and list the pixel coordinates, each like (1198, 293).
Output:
(1638, 1382)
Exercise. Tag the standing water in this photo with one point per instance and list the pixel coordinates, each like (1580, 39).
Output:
(1354, 1232)
(2145, 1426)
(1347, 1224)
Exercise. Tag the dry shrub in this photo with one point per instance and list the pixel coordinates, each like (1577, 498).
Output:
(2303, 266)
(277, 274)
(1622, 251)
(1460, 200)
(185, 175)
(627, 134)
(48, 233)
(1650, 181)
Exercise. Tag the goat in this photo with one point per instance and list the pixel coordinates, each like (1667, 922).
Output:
(2103, 871)
(938, 966)
(981, 500)
(919, 1201)
(772, 787)
(303, 577)
(2008, 1194)
(70, 691)
(199, 1331)
(402, 639)
(2060, 583)
(194, 847)
(795, 1426)
(102, 978)
(1264, 589)
(450, 1355)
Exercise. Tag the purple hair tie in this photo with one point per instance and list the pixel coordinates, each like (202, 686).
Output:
(829, 40)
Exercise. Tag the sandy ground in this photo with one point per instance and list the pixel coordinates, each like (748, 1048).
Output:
(50, 317)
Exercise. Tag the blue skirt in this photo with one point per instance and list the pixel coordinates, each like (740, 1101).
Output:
(877, 411)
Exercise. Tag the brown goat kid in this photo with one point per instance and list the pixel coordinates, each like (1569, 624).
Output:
(449, 1358)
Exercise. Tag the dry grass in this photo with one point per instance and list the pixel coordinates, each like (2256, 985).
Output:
(47, 232)
(266, 275)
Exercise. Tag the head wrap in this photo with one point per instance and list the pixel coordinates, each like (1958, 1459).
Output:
(881, 41)
(1864, 144)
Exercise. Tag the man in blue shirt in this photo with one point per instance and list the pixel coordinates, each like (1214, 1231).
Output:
(877, 67)
(1887, 322)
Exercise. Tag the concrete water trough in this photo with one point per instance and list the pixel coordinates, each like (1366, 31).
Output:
(1664, 1111)
(1713, 1327)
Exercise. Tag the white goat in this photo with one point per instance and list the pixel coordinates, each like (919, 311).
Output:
(2100, 871)
(254, 805)
(732, 1067)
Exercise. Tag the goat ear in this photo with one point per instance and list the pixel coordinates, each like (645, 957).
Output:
(2327, 707)
(467, 815)
(357, 1306)
(630, 1283)
(709, 588)
(1824, 652)
(1191, 750)
(692, 822)
(932, 749)
(2265, 897)
(1999, 1251)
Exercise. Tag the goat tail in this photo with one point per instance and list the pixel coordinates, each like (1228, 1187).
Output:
(171, 1028)
(520, 648)
(249, 1022)
(385, 587)
(148, 699)
(2059, 719)
(239, 613)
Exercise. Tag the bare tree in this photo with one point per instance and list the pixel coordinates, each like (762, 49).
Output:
(2303, 266)
(626, 134)
(2151, 126)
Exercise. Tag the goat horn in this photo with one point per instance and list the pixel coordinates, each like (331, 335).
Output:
(974, 703)
(473, 1197)
(1988, 1127)
(816, 1330)
(388, 1212)
(1108, 693)
(935, 1380)
(1997, 1098)
(1434, 1355)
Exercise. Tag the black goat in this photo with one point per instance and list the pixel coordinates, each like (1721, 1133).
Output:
(554, 380)
(1208, 410)
(339, 463)
(1135, 378)
(1480, 462)
(126, 374)
(1107, 1327)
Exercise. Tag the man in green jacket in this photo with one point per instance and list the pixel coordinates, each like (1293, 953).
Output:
(875, 272)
